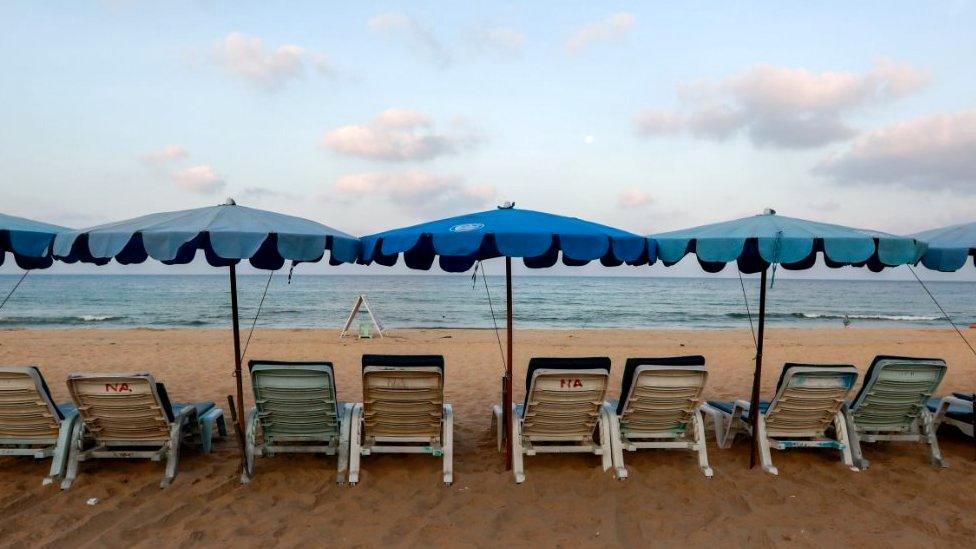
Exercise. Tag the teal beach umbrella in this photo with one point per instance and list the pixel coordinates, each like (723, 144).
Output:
(758, 242)
(226, 234)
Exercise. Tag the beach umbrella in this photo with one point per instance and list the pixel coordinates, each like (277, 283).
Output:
(536, 237)
(227, 234)
(27, 240)
(758, 242)
(948, 249)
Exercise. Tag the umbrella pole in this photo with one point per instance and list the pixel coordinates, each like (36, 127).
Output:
(754, 401)
(237, 348)
(507, 380)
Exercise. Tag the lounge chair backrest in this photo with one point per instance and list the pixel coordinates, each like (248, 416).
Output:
(808, 396)
(563, 396)
(659, 395)
(119, 408)
(403, 395)
(26, 408)
(895, 390)
(295, 400)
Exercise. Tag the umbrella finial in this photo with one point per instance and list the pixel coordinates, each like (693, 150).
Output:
(507, 205)
(230, 202)
(769, 211)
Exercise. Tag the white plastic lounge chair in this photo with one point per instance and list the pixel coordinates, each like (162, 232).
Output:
(955, 409)
(659, 407)
(809, 399)
(30, 423)
(563, 409)
(891, 405)
(403, 411)
(130, 416)
(296, 411)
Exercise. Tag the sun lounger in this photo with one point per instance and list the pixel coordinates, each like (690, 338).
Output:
(296, 411)
(563, 409)
(130, 416)
(955, 409)
(31, 424)
(891, 405)
(403, 411)
(659, 407)
(809, 399)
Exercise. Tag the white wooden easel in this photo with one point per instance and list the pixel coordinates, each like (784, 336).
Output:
(361, 301)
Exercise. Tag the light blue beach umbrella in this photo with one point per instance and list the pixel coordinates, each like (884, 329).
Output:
(758, 242)
(226, 234)
(539, 238)
(28, 241)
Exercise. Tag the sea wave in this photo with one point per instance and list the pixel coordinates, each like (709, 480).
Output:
(837, 316)
(57, 320)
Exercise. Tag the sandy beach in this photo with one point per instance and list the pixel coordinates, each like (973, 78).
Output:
(566, 500)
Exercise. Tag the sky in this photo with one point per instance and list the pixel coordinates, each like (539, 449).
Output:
(367, 116)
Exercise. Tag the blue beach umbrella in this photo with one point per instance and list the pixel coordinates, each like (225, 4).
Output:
(758, 242)
(537, 237)
(226, 234)
(28, 241)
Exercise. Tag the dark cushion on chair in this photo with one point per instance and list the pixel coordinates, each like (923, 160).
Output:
(877, 359)
(965, 396)
(404, 361)
(164, 401)
(286, 363)
(47, 390)
(958, 412)
(634, 363)
(727, 405)
(574, 363)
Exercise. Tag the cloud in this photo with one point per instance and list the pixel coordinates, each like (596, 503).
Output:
(400, 135)
(199, 179)
(614, 28)
(417, 36)
(245, 57)
(413, 191)
(782, 107)
(927, 153)
(166, 155)
(501, 41)
(633, 198)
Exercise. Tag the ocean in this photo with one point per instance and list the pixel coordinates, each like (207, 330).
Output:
(453, 301)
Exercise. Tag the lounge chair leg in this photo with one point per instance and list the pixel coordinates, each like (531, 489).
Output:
(928, 428)
(447, 441)
(175, 441)
(518, 465)
(497, 427)
(343, 466)
(74, 451)
(699, 424)
(764, 453)
(606, 448)
(355, 443)
(840, 425)
(857, 453)
(61, 449)
(617, 445)
(250, 445)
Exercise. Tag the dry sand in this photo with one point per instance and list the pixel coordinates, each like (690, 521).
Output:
(566, 500)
